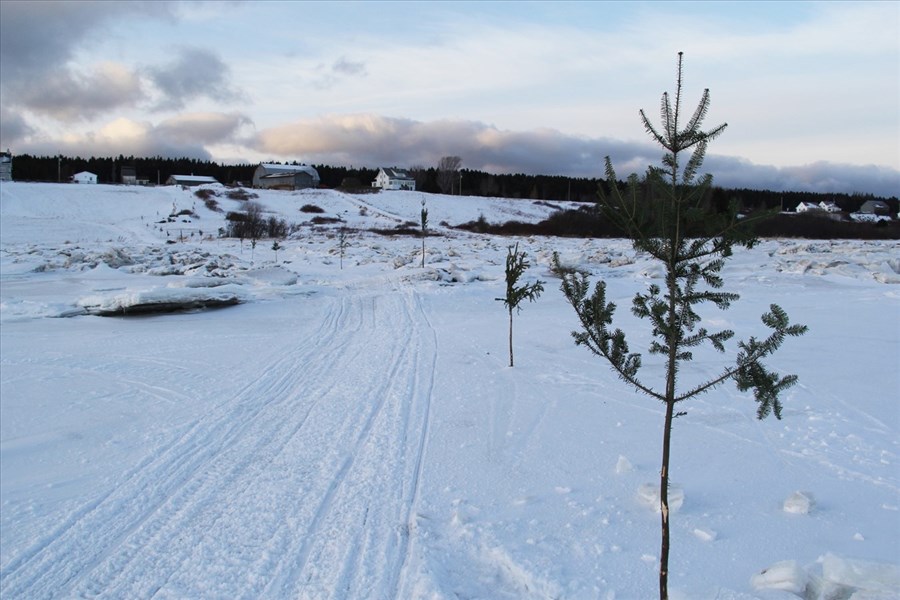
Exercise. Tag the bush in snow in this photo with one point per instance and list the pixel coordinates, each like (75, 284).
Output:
(667, 216)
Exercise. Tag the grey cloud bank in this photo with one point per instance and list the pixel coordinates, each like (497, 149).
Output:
(371, 141)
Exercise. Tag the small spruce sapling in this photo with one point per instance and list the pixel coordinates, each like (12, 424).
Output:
(667, 216)
(516, 265)
(424, 230)
(342, 244)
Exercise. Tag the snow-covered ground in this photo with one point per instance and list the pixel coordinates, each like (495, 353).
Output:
(351, 428)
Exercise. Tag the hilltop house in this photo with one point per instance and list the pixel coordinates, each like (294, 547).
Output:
(84, 177)
(190, 180)
(804, 207)
(6, 166)
(285, 177)
(393, 179)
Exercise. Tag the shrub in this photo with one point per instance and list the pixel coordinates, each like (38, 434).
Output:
(241, 194)
(205, 194)
(311, 208)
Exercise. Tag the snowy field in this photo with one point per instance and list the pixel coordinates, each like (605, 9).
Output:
(351, 428)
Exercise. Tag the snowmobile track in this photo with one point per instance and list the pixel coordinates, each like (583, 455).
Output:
(281, 490)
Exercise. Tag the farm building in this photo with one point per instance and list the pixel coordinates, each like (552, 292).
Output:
(84, 177)
(393, 179)
(285, 177)
(128, 175)
(5, 166)
(875, 207)
(190, 180)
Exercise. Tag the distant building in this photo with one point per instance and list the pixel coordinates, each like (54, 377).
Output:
(84, 177)
(393, 179)
(285, 177)
(128, 175)
(875, 207)
(190, 180)
(808, 207)
(5, 166)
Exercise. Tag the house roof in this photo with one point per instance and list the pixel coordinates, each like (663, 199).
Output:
(84, 173)
(395, 173)
(285, 175)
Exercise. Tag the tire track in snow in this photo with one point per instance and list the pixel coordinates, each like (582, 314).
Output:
(98, 531)
(356, 543)
(303, 484)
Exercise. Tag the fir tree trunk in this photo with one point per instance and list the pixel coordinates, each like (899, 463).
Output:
(664, 504)
(672, 339)
(510, 338)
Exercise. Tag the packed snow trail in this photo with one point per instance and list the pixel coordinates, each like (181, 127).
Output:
(302, 485)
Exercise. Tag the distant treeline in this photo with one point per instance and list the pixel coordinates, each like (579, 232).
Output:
(467, 182)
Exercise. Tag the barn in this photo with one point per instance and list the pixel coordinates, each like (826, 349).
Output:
(285, 177)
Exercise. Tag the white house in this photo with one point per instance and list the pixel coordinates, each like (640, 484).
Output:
(289, 177)
(393, 179)
(6, 166)
(808, 207)
(84, 177)
(829, 206)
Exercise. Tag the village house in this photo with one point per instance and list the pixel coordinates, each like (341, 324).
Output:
(805, 207)
(393, 179)
(84, 177)
(6, 166)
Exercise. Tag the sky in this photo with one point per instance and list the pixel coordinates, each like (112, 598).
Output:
(810, 90)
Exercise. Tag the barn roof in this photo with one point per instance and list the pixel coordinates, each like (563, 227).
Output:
(271, 169)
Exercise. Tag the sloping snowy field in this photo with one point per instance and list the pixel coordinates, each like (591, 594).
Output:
(351, 429)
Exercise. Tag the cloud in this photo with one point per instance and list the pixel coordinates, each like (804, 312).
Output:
(348, 67)
(342, 68)
(203, 128)
(373, 140)
(184, 136)
(13, 127)
(69, 96)
(38, 46)
(195, 73)
(36, 37)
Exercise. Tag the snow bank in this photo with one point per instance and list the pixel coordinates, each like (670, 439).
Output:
(161, 300)
(799, 503)
(832, 578)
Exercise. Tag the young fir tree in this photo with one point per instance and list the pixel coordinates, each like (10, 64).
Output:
(424, 230)
(276, 247)
(516, 265)
(666, 216)
(342, 244)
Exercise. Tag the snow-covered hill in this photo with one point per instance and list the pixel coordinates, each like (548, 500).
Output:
(351, 428)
